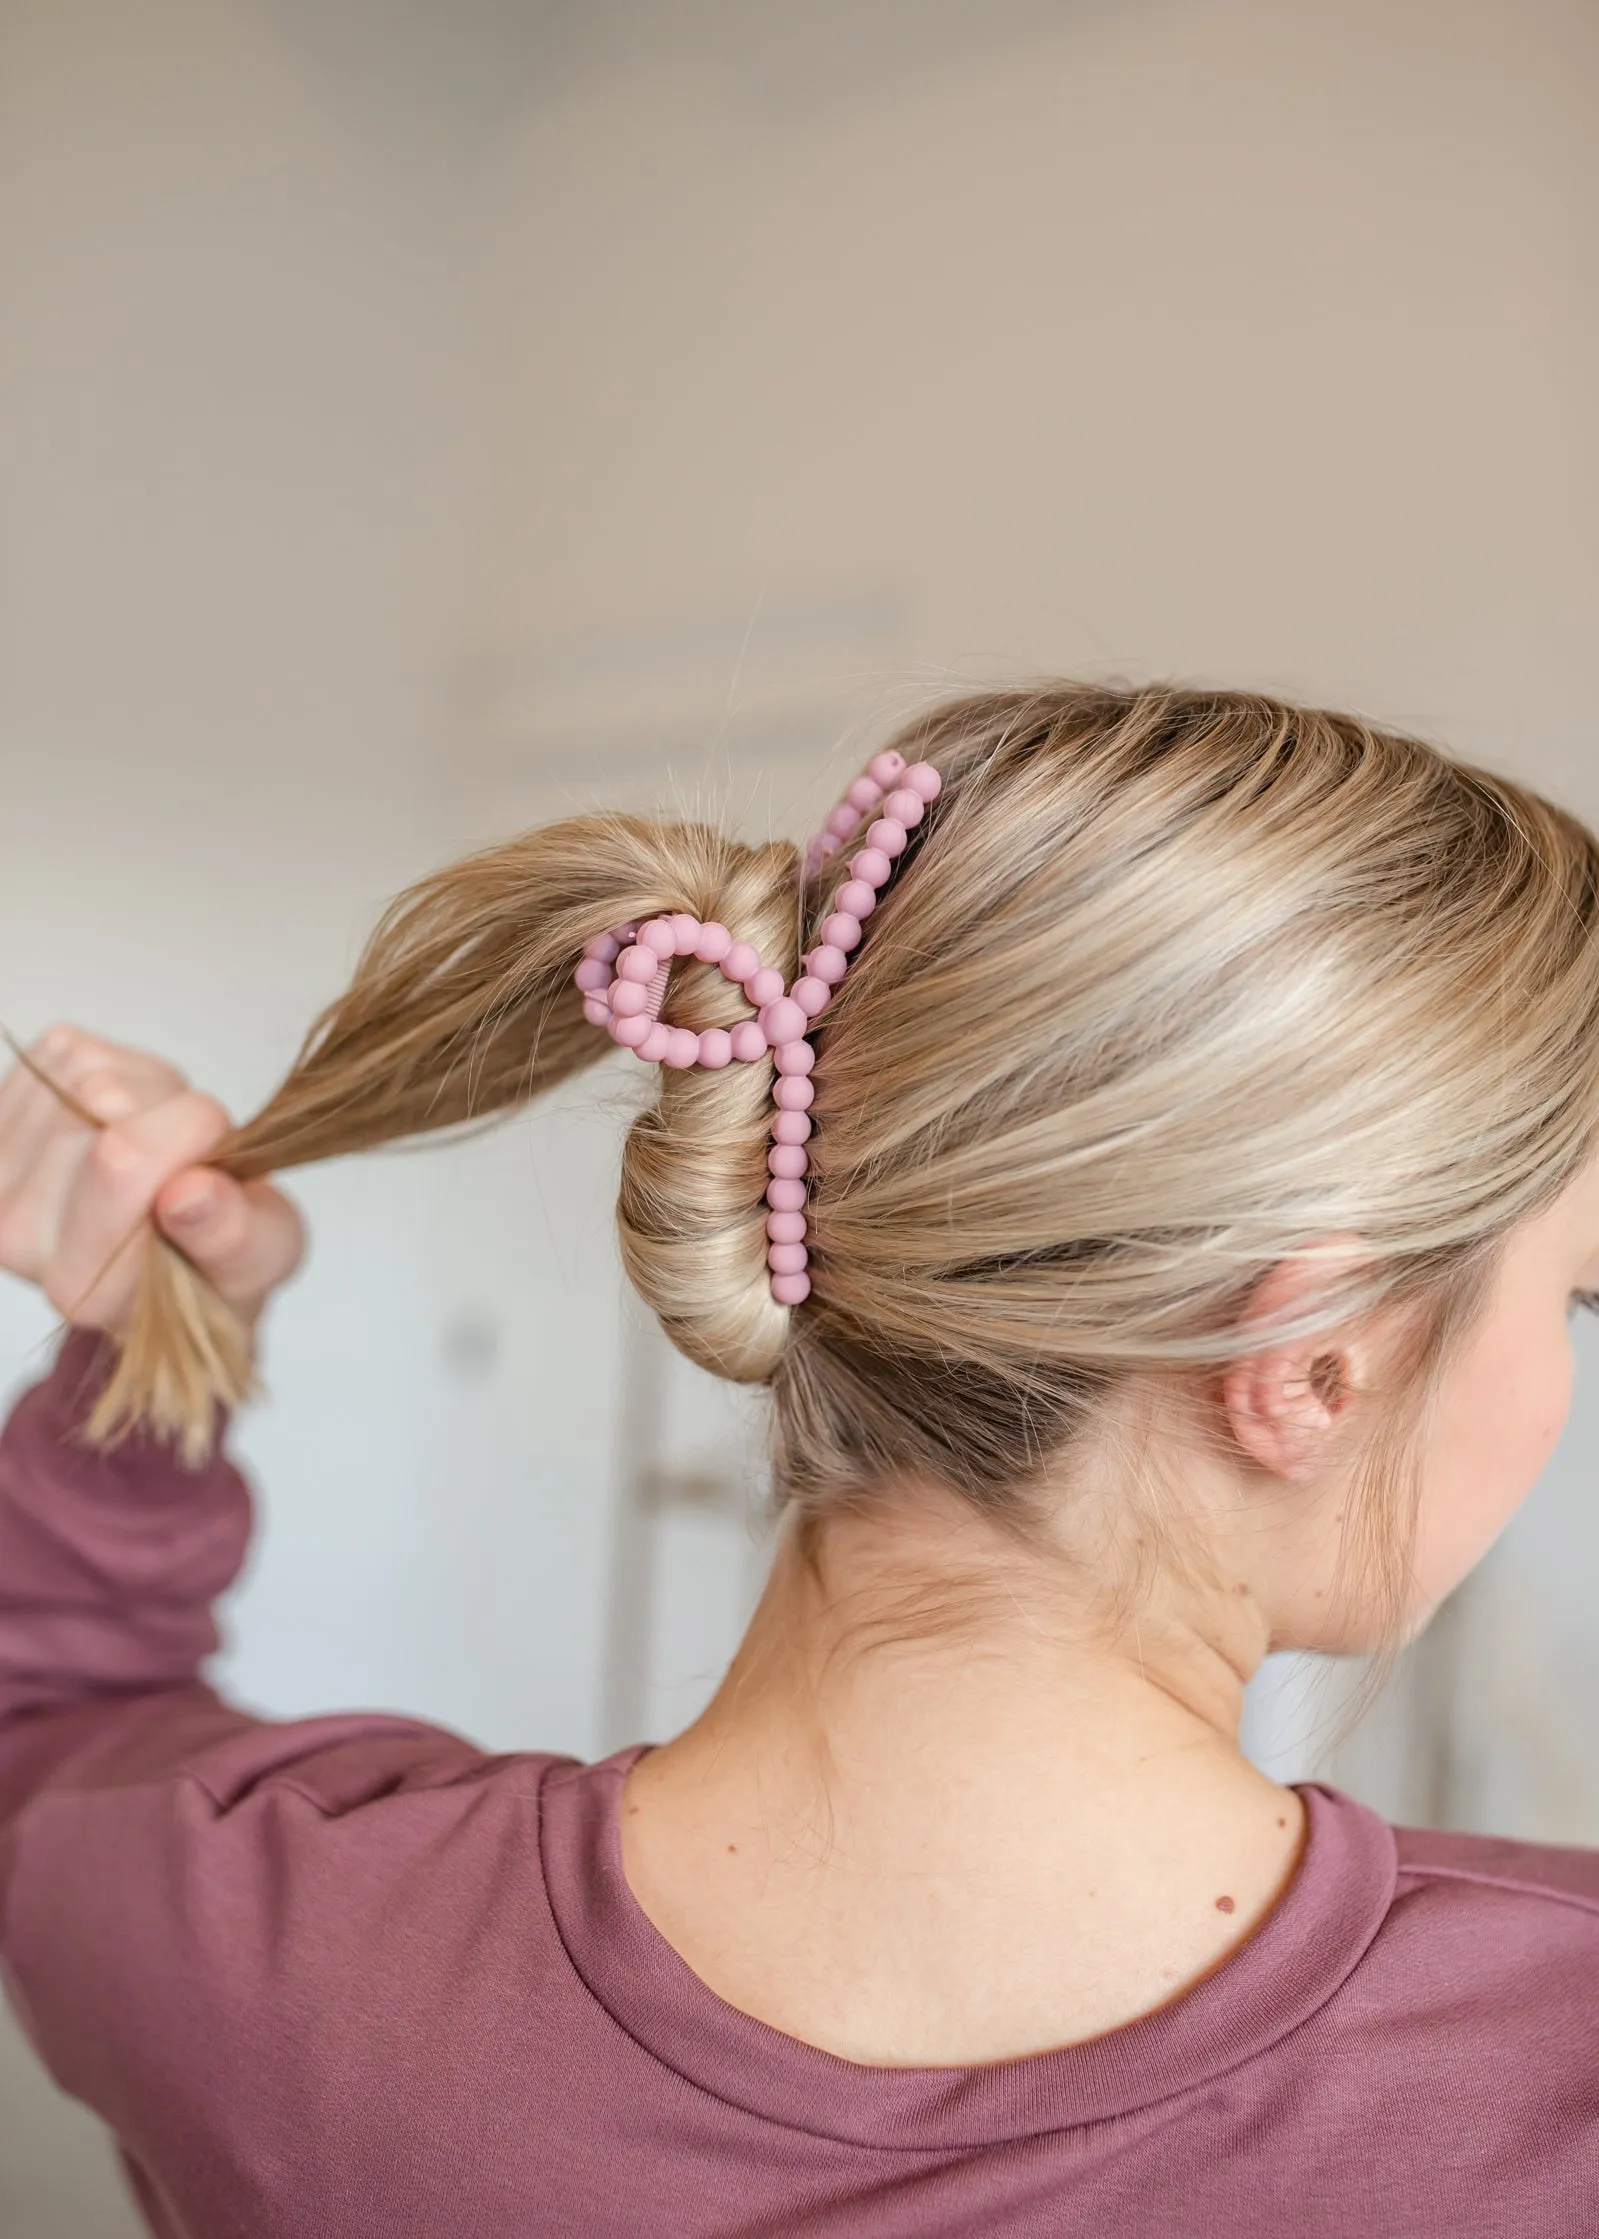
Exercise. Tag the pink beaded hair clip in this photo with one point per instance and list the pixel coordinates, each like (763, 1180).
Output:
(624, 972)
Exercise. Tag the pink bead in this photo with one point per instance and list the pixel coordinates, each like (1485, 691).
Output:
(604, 946)
(713, 944)
(764, 986)
(786, 1259)
(687, 930)
(747, 1041)
(795, 1057)
(842, 820)
(785, 1196)
(657, 1041)
(631, 1032)
(873, 867)
(682, 1048)
(829, 964)
(658, 937)
(887, 835)
(782, 1021)
(628, 999)
(592, 975)
(887, 768)
(905, 807)
(792, 1127)
(864, 794)
(793, 1092)
(639, 965)
(596, 1010)
(829, 847)
(788, 1161)
(841, 931)
(791, 1290)
(739, 962)
(924, 781)
(786, 1228)
(812, 996)
(855, 899)
(716, 1048)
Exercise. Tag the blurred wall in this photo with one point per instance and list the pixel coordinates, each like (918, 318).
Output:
(418, 416)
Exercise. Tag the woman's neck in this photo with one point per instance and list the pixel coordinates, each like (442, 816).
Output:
(929, 1820)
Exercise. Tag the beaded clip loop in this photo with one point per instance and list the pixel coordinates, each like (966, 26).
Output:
(623, 978)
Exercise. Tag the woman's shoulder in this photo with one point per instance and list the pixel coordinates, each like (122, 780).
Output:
(1495, 1871)
(1490, 1933)
(1486, 1937)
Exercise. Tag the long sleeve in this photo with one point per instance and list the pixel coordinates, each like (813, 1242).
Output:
(109, 1566)
(190, 1896)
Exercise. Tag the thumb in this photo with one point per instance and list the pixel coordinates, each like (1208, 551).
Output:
(244, 1237)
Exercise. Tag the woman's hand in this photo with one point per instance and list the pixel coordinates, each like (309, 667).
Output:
(78, 1201)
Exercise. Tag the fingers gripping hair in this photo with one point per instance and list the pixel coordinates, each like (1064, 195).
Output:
(461, 1009)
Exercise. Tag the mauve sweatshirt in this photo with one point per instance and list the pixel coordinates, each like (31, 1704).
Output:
(352, 1978)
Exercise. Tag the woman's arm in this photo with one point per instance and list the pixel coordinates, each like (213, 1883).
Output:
(109, 1562)
(180, 1881)
(196, 1902)
(109, 1565)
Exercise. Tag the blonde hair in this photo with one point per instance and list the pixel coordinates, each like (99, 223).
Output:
(1168, 984)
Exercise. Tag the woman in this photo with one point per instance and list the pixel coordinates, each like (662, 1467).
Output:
(1200, 1162)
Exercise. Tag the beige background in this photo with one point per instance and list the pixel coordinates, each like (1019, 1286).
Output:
(415, 416)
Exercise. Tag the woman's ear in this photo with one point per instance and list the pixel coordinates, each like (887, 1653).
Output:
(1285, 1405)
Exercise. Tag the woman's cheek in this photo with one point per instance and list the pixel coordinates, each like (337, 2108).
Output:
(1497, 1441)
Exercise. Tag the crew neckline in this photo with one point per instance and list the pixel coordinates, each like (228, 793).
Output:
(1300, 1956)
